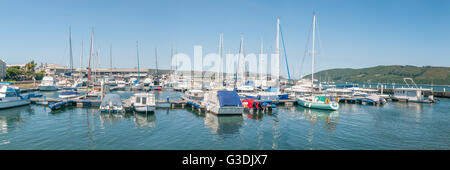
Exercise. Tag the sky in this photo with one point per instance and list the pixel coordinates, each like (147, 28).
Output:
(351, 34)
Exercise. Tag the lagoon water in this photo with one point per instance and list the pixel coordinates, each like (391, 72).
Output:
(354, 126)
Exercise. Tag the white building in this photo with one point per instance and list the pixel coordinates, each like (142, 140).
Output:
(2, 69)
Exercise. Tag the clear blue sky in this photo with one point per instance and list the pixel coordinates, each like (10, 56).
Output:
(353, 34)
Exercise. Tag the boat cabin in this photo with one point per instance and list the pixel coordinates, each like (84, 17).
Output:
(410, 94)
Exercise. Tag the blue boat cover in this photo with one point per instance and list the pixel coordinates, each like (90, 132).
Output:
(272, 90)
(228, 98)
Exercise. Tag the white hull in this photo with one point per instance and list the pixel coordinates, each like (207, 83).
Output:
(111, 110)
(67, 96)
(144, 108)
(226, 110)
(48, 88)
(10, 104)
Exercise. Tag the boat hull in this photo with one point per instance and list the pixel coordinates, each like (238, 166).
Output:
(68, 96)
(144, 108)
(47, 88)
(226, 110)
(10, 104)
(323, 106)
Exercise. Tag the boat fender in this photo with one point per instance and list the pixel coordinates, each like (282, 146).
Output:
(337, 100)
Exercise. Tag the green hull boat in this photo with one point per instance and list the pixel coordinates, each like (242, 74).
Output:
(318, 104)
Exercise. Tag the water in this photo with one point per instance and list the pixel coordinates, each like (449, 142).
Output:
(354, 126)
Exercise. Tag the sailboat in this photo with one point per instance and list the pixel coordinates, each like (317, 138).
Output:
(137, 84)
(316, 102)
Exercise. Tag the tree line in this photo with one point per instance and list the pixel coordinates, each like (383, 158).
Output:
(26, 73)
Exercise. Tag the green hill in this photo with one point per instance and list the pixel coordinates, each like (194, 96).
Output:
(387, 74)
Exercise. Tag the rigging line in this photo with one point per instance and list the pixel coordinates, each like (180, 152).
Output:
(306, 51)
(320, 47)
(285, 55)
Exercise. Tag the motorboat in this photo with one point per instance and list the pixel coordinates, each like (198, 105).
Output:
(48, 84)
(111, 103)
(223, 102)
(413, 93)
(68, 93)
(195, 94)
(143, 102)
(10, 97)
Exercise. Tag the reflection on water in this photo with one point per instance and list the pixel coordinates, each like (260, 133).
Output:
(224, 124)
(330, 118)
(110, 118)
(254, 115)
(12, 118)
(144, 120)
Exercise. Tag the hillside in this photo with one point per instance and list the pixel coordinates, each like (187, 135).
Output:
(387, 74)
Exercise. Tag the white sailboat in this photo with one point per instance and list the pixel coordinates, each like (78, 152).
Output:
(313, 101)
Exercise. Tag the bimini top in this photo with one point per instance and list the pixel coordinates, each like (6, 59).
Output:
(228, 98)
(111, 98)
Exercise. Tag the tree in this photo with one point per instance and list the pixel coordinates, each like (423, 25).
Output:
(29, 69)
(14, 72)
(40, 75)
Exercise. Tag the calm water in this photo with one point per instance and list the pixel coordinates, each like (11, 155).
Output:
(392, 126)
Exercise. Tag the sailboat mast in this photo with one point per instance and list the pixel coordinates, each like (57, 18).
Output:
(260, 72)
(137, 54)
(90, 55)
(70, 48)
(81, 60)
(277, 49)
(171, 57)
(312, 67)
(110, 59)
(220, 56)
(156, 58)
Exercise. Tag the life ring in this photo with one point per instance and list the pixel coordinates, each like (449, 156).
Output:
(327, 100)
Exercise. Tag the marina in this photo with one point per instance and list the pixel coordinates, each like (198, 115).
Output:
(395, 125)
(224, 76)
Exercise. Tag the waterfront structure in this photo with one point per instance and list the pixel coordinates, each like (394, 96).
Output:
(3, 68)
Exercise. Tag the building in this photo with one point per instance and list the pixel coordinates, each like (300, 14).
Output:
(52, 69)
(3, 68)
